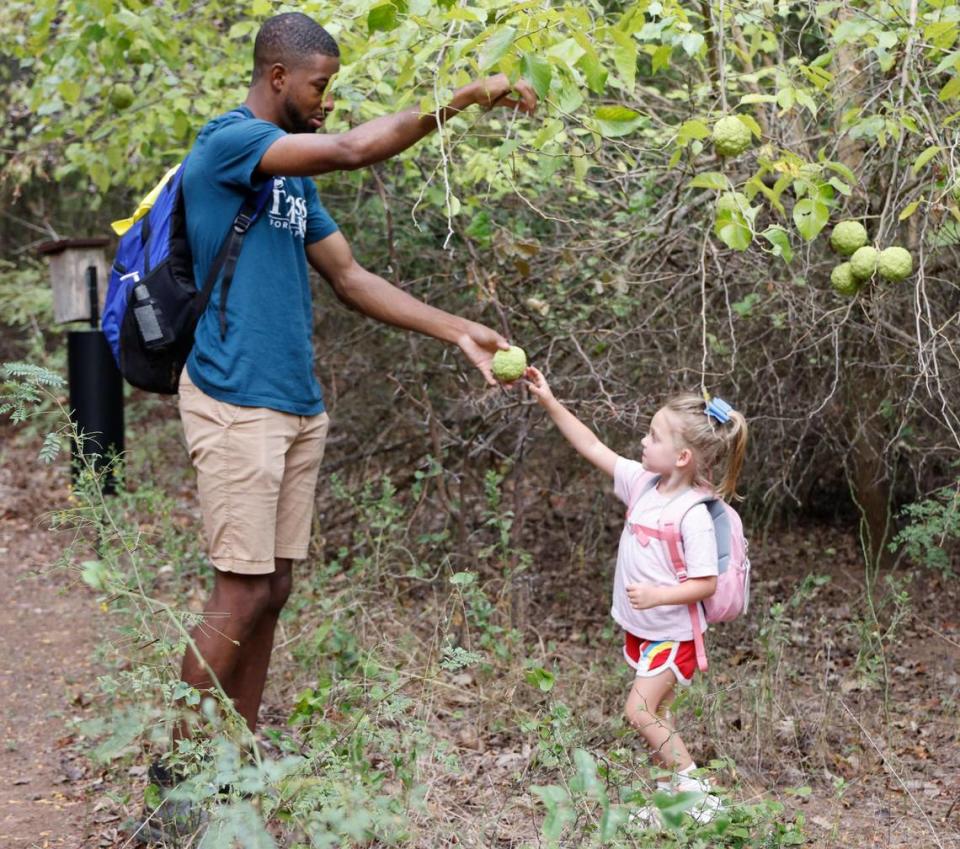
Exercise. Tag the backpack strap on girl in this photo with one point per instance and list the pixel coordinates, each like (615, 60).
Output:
(669, 533)
(641, 486)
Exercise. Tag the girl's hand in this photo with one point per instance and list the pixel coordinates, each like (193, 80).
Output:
(538, 386)
(643, 596)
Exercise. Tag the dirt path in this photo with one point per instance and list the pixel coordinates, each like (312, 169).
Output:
(47, 677)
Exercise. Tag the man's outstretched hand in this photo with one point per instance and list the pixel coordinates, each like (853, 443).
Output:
(499, 91)
(479, 344)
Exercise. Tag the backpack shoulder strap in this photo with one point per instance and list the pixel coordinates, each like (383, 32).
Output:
(120, 227)
(669, 533)
(641, 486)
(250, 210)
(669, 525)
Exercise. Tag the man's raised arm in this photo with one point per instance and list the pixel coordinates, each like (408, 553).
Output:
(306, 154)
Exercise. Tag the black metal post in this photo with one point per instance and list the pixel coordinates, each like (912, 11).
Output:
(96, 392)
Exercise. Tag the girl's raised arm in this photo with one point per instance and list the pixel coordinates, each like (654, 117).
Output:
(576, 432)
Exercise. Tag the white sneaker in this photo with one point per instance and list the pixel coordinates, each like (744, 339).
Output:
(648, 816)
(705, 809)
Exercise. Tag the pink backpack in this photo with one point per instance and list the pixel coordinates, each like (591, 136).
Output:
(732, 596)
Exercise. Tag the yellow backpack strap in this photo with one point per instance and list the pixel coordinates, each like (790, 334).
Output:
(120, 227)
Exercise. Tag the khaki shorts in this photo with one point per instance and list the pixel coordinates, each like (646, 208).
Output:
(257, 475)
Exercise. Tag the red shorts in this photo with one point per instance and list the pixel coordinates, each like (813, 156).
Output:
(651, 657)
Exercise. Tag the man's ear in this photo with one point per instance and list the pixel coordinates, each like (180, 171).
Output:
(278, 76)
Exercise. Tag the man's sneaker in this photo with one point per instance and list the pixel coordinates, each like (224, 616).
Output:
(166, 822)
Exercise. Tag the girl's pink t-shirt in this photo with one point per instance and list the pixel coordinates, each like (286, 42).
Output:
(649, 564)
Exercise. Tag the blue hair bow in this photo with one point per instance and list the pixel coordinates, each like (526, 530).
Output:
(719, 409)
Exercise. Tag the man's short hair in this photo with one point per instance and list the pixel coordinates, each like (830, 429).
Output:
(288, 39)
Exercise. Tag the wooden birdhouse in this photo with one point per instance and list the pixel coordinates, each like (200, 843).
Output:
(70, 261)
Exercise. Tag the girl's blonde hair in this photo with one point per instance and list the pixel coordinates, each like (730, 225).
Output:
(712, 442)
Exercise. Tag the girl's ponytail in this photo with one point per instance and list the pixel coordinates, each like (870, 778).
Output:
(735, 442)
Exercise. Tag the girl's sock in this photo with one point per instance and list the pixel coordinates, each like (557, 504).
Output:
(680, 780)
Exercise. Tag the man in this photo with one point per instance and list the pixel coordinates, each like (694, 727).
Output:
(251, 405)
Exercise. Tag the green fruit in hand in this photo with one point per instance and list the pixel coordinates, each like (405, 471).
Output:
(863, 263)
(895, 264)
(843, 281)
(121, 96)
(733, 202)
(847, 236)
(731, 136)
(509, 365)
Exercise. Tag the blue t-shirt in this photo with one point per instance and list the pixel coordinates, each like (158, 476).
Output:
(266, 359)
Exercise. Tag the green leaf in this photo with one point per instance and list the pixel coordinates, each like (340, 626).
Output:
(840, 186)
(614, 121)
(690, 130)
(786, 97)
(613, 817)
(541, 678)
(71, 90)
(750, 123)
(497, 46)
(950, 62)
(382, 18)
(710, 180)
(625, 58)
(547, 132)
(811, 217)
(673, 806)
(660, 60)
(567, 51)
(778, 237)
(805, 100)
(820, 78)
(842, 170)
(94, 574)
(950, 90)
(586, 781)
(615, 113)
(908, 210)
(559, 810)
(942, 34)
(463, 579)
(241, 29)
(153, 796)
(925, 157)
(260, 8)
(537, 71)
(745, 307)
(733, 231)
(594, 71)
(757, 98)
(480, 227)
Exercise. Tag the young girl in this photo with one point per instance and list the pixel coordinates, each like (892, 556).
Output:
(688, 439)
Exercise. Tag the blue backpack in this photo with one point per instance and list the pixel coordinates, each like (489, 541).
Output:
(153, 302)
